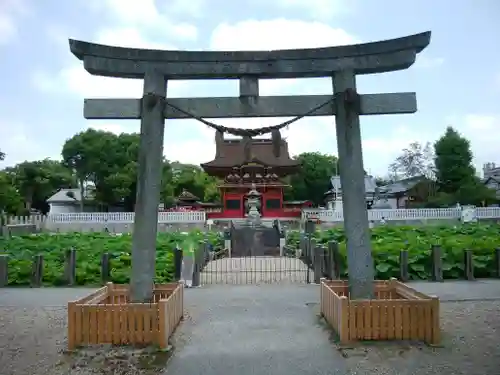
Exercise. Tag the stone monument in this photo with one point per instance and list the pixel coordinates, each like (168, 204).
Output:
(253, 205)
(341, 63)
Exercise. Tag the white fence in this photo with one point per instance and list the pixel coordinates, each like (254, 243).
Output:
(114, 222)
(406, 214)
(122, 222)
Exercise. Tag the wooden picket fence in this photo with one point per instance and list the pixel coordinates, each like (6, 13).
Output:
(397, 313)
(107, 317)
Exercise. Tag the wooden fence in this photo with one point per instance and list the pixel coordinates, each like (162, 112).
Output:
(107, 317)
(326, 262)
(398, 312)
(70, 264)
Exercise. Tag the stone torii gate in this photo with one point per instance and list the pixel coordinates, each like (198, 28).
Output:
(157, 67)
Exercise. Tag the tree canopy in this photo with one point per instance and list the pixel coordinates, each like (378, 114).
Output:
(103, 165)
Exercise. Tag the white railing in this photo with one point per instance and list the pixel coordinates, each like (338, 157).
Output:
(189, 217)
(404, 214)
(108, 218)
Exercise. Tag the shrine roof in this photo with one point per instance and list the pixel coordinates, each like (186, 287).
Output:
(187, 196)
(231, 154)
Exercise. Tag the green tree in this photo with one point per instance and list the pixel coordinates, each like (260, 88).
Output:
(415, 160)
(36, 181)
(11, 201)
(455, 173)
(313, 179)
(453, 159)
(106, 161)
(2, 155)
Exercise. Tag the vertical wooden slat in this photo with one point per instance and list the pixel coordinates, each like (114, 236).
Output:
(398, 321)
(428, 318)
(383, 319)
(146, 324)
(101, 328)
(131, 332)
(421, 321)
(436, 328)
(85, 325)
(414, 320)
(93, 324)
(375, 319)
(139, 322)
(124, 312)
(108, 323)
(391, 320)
(406, 322)
(116, 314)
(343, 313)
(367, 320)
(72, 323)
(162, 329)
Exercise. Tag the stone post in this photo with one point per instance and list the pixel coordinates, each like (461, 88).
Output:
(352, 179)
(4, 270)
(318, 263)
(70, 266)
(148, 187)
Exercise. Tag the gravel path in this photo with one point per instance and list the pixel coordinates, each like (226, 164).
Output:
(265, 329)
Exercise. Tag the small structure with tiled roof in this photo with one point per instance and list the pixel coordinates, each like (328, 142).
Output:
(243, 163)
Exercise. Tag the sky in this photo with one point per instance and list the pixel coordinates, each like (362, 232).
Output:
(457, 78)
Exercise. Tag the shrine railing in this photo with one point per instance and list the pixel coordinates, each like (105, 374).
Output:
(405, 214)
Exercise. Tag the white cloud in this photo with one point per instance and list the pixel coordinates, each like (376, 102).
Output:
(146, 16)
(8, 29)
(189, 141)
(10, 12)
(20, 146)
(318, 9)
(424, 61)
(193, 8)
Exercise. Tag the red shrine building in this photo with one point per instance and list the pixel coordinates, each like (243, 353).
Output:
(252, 164)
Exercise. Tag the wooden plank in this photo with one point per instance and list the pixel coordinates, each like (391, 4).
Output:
(398, 320)
(375, 319)
(435, 322)
(108, 323)
(343, 314)
(427, 319)
(421, 322)
(85, 325)
(414, 322)
(72, 323)
(360, 320)
(93, 324)
(367, 323)
(146, 324)
(131, 332)
(264, 106)
(102, 324)
(406, 320)
(124, 312)
(384, 321)
(116, 314)
(162, 324)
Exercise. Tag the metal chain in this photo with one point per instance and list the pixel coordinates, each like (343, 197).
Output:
(240, 132)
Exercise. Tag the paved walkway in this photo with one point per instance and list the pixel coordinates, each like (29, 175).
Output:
(270, 329)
